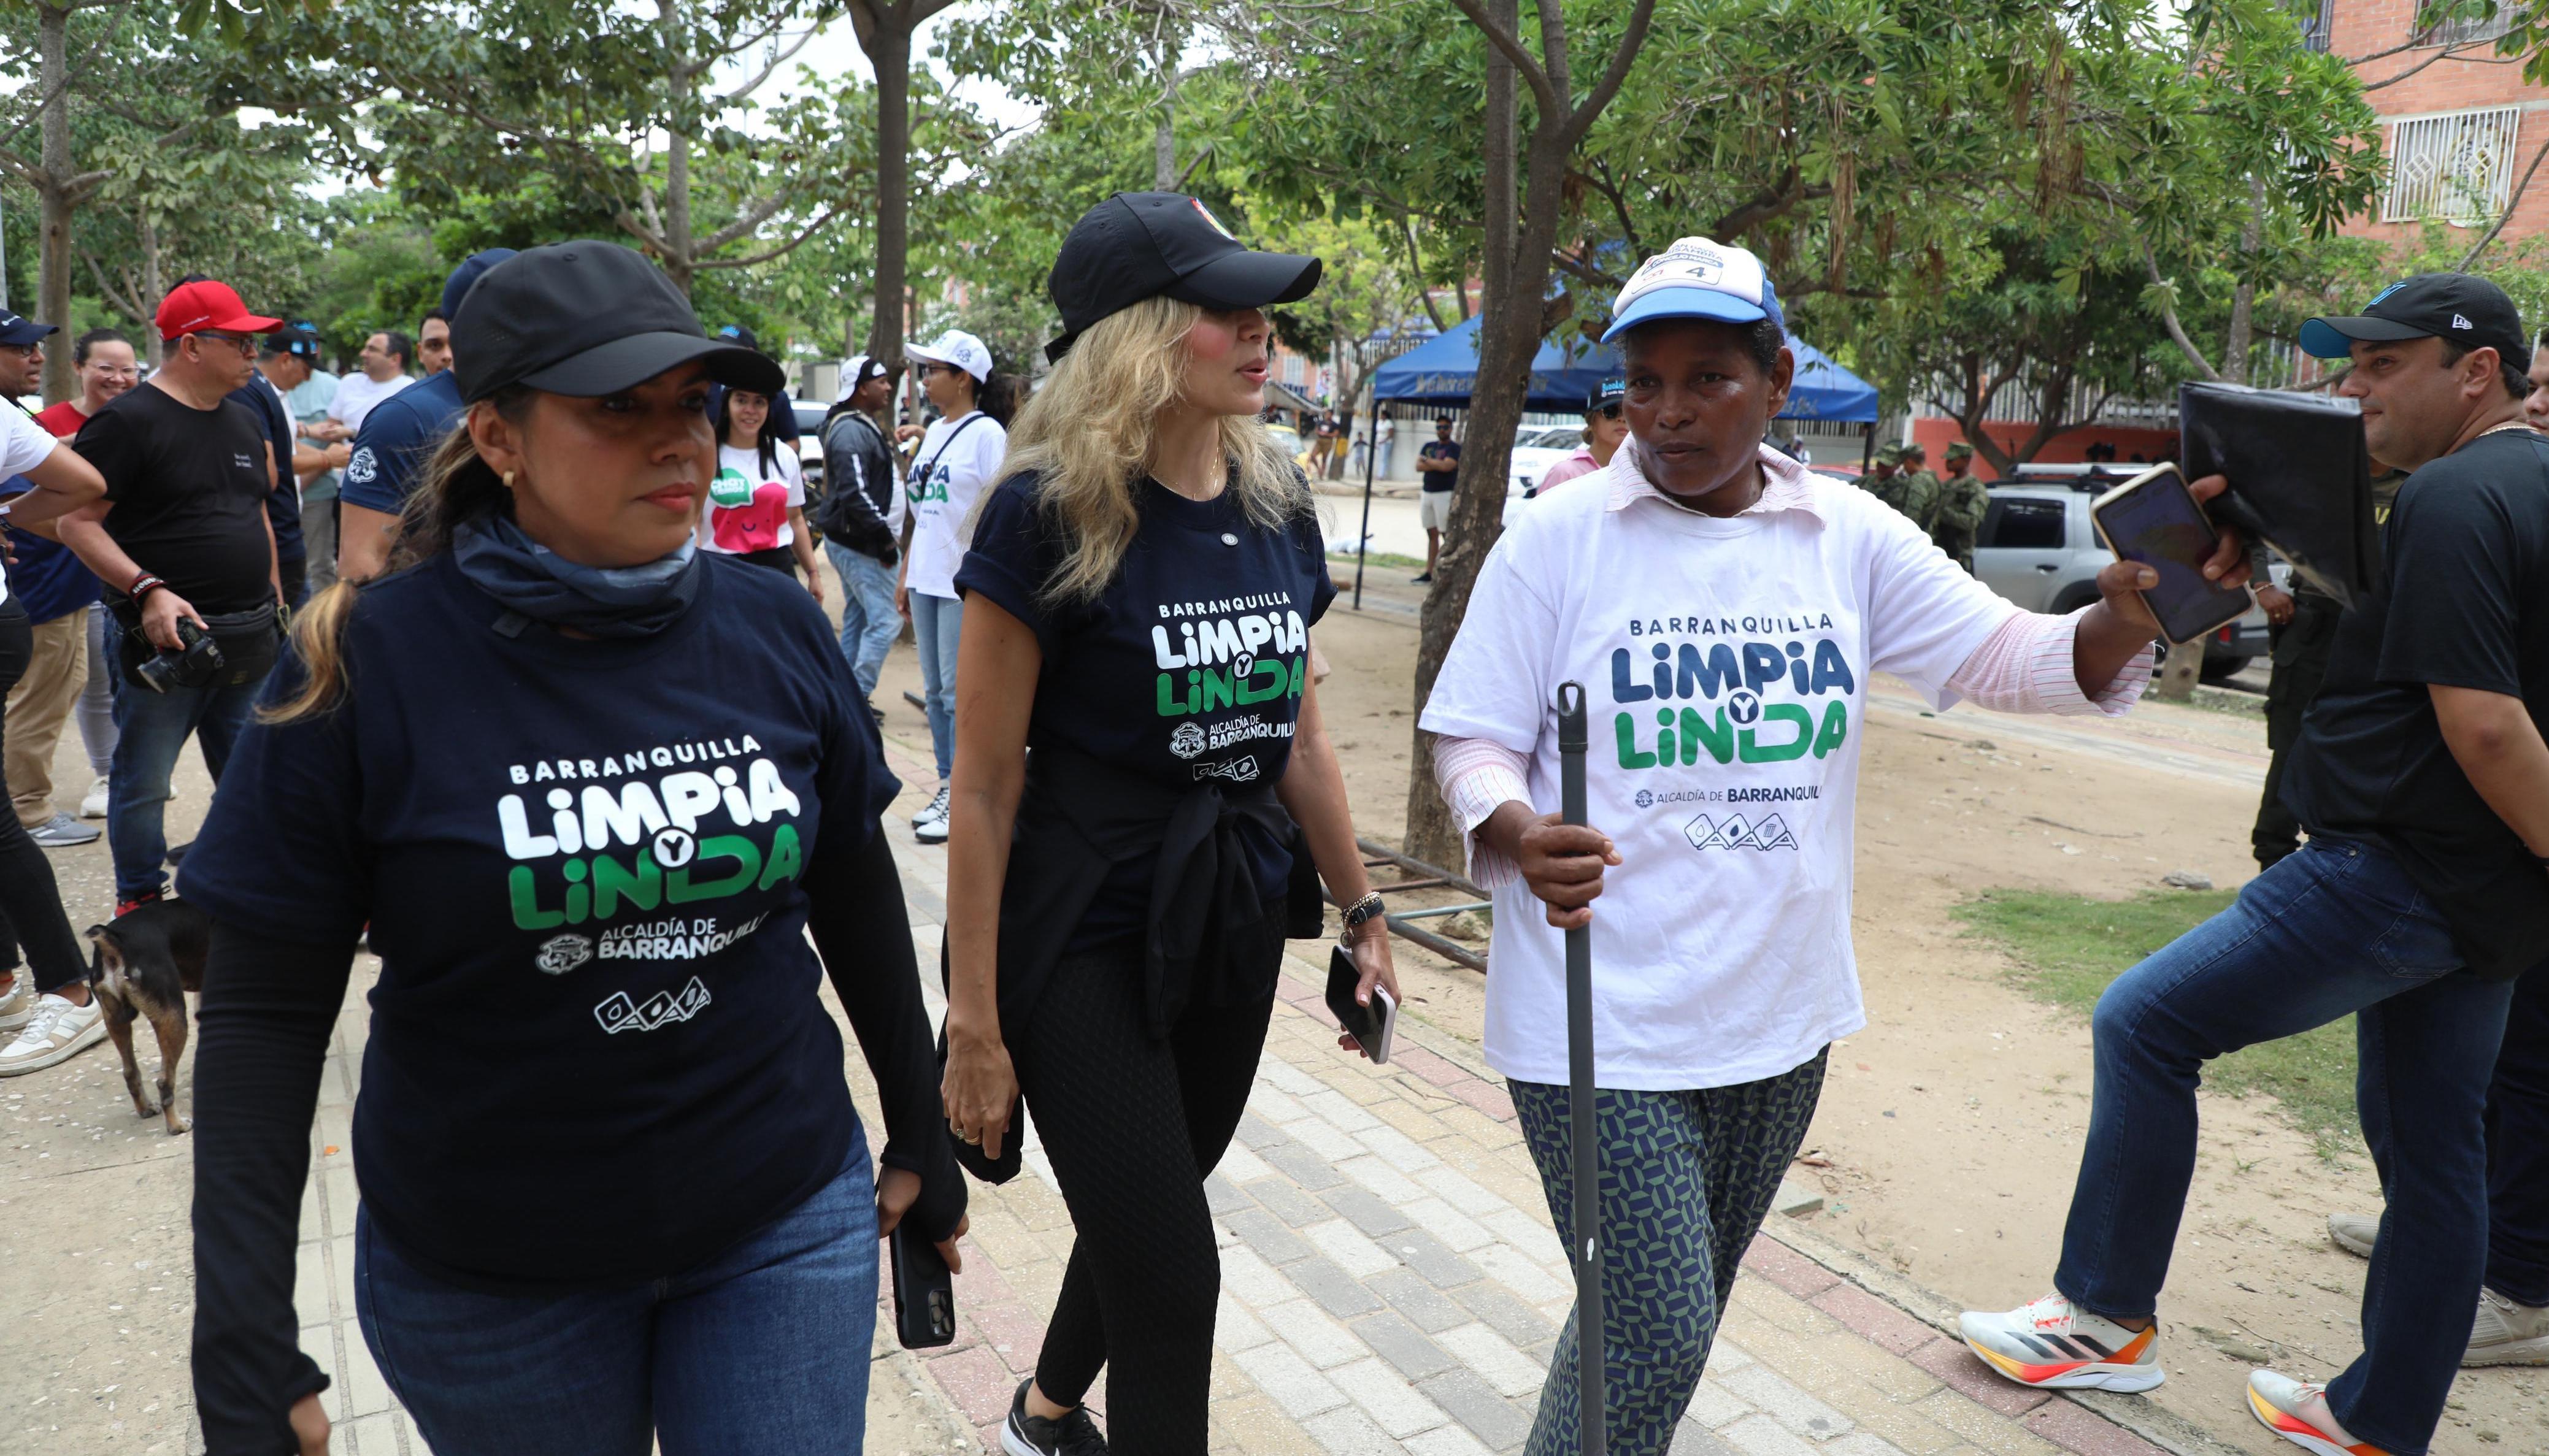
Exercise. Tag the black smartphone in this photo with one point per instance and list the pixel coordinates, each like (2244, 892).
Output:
(924, 1296)
(1372, 1025)
(2155, 519)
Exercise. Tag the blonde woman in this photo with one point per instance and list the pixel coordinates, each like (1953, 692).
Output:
(1139, 597)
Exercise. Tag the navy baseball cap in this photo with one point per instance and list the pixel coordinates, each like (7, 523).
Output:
(1137, 245)
(298, 337)
(18, 331)
(471, 269)
(2463, 307)
(586, 319)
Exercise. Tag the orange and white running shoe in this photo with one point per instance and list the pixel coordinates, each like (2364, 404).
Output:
(2052, 1345)
(2279, 1401)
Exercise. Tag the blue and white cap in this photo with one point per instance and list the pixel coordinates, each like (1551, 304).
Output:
(1696, 278)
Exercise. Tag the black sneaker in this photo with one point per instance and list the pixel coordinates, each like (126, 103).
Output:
(1032, 1435)
(1420, 581)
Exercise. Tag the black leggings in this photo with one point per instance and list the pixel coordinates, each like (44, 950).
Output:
(31, 903)
(1132, 1126)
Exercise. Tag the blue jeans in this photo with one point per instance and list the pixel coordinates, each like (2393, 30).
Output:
(2336, 928)
(869, 623)
(935, 624)
(150, 731)
(762, 1348)
(2517, 1149)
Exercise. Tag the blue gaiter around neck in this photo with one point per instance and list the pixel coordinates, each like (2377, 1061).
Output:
(497, 559)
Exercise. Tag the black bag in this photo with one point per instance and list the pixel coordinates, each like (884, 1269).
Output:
(250, 641)
(2301, 477)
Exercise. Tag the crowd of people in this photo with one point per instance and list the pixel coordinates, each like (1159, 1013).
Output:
(497, 673)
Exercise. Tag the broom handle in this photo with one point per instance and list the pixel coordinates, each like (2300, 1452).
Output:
(1585, 1247)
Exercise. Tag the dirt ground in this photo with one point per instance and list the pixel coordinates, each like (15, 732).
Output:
(1951, 1129)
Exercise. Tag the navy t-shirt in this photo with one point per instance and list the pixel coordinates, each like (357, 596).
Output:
(283, 501)
(1190, 667)
(596, 1047)
(398, 437)
(1438, 479)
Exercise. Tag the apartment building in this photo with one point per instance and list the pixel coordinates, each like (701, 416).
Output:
(2459, 123)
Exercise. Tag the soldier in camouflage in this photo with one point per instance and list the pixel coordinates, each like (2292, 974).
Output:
(1962, 503)
(1876, 478)
(1914, 490)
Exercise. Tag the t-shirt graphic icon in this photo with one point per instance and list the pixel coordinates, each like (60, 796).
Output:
(745, 514)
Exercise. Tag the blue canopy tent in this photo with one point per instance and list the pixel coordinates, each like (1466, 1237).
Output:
(1563, 374)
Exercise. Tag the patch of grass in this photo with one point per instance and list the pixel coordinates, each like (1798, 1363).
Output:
(2068, 948)
(1382, 559)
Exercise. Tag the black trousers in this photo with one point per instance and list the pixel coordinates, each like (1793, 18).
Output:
(2518, 1149)
(31, 903)
(1132, 1126)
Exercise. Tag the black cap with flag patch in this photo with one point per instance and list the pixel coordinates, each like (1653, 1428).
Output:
(2463, 307)
(1137, 245)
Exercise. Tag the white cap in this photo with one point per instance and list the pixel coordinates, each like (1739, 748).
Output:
(1696, 278)
(856, 370)
(959, 348)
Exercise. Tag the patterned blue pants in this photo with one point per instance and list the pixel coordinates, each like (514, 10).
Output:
(1687, 1180)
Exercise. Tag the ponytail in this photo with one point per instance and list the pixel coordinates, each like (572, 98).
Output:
(457, 487)
(999, 397)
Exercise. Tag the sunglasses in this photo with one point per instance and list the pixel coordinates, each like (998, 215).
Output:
(245, 343)
(1609, 412)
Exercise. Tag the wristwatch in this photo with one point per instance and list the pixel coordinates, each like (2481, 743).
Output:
(1370, 907)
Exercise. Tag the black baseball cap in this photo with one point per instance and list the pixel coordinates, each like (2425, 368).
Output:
(586, 319)
(298, 338)
(1604, 395)
(1137, 245)
(2463, 307)
(18, 331)
(472, 268)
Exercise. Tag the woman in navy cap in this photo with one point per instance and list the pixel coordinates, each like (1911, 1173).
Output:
(1138, 602)
(590, 788)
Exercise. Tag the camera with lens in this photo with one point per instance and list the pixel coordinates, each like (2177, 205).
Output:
(195, 663)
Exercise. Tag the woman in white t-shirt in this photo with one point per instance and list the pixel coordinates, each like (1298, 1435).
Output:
(959, 458)
(1724, 609)
(756, 506)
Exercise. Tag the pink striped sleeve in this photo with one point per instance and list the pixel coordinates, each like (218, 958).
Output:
(1476, 776)
(2026, 667)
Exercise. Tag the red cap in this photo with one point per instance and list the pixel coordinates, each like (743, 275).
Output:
(191, 307)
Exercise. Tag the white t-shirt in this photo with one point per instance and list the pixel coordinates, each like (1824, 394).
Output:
(957, 462)
(23, 445)
(357, 392)
(748, 507)
(1721, 942)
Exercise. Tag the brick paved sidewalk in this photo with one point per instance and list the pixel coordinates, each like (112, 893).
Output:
(1391, 1282)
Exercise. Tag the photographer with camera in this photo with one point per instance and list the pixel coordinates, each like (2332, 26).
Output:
(187, 549)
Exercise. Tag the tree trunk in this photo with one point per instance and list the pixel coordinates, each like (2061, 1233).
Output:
(1477, 492)
(1164, 137)
(2179, 672)
(2244, 295)
(54, 237)
(678, 259)
(154, 288)
(890, 51)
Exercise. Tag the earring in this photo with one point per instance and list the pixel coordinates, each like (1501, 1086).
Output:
(508, 480)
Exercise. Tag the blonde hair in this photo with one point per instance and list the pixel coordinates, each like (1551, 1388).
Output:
(1088, 434)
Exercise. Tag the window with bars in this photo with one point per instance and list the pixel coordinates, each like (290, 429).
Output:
(2458, 167)
(2318, 20)
(2466, 28)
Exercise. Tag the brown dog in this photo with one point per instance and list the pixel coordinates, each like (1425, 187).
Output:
(148, 960)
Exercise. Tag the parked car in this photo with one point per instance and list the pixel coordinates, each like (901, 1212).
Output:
(810, 444)
(2038, 549)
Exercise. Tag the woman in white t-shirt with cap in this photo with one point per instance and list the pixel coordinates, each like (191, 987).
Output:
(957, 459)
(1724, 609)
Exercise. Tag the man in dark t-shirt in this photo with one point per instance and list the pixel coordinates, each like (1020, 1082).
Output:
(182, 536)
(2423, 779)
(1437, 467)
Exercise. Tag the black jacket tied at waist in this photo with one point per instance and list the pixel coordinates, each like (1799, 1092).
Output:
(1077, 820)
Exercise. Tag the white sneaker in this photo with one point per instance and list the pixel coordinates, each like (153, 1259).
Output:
(56, 1033)
(17, 1006)
(2354, 1232)
(2279, 1403)
(93, 802)
(929, 826)
(2052, 1345)
(2507, 1334)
